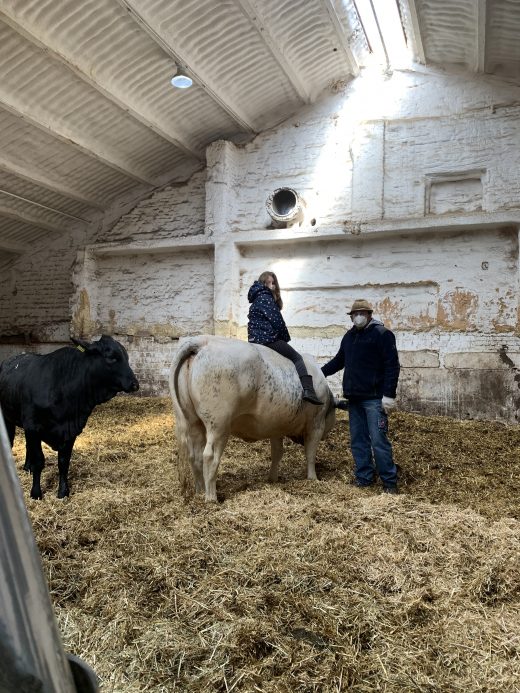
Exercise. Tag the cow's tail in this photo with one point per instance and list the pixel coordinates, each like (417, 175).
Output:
(184, 411)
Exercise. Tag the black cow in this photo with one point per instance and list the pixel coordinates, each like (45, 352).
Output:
(52, 396)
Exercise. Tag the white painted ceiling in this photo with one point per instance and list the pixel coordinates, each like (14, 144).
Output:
(88, 116)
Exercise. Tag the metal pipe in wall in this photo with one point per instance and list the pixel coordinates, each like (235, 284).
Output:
(285, 207)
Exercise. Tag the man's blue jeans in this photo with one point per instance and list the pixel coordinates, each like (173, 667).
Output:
(369, 442)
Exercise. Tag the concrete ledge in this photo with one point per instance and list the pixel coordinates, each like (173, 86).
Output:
(419, 359)
(482, 360)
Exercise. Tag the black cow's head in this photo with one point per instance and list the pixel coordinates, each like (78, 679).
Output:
(113, 363)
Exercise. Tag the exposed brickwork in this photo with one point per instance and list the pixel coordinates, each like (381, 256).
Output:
(411, 193)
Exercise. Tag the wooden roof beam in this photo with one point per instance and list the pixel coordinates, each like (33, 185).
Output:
(480, 42)
(259, 24)
(14, 248)
(74, 139)
(42, 180)
(343, 37)
(415, 28)
(27, 218)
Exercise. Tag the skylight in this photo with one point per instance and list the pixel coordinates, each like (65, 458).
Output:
(383, 30)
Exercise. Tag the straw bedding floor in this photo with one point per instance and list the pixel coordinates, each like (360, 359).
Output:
(297, 586)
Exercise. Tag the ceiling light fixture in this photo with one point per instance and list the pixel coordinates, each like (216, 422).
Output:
(180, 79)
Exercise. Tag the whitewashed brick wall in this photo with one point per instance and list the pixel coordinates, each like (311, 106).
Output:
(412, 201)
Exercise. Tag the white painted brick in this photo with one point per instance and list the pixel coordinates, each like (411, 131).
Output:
(382, 169)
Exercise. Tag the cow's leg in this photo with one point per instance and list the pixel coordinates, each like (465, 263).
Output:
(276, 456)
(11, 430)
(64, 454)
(311, 446)
(35, 460)
(27, 464)
(211, 459)
(196, 443)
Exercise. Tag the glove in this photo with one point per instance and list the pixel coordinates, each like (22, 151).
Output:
(341, 403)
(388, 403)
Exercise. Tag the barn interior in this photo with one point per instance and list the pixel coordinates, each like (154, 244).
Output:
(134, 208)
(357, 148)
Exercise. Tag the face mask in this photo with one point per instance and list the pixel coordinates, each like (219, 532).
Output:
(360, 321)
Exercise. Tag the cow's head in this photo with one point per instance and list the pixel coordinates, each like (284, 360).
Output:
(112, 363)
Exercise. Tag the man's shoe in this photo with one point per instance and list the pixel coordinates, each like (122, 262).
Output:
(363, 484)
(390, 489)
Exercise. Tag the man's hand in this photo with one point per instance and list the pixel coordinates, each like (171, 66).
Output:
(388, 403)
(341, 403)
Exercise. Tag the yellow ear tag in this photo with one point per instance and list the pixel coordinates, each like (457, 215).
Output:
(79, 347)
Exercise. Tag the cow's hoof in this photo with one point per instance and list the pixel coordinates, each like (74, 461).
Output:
(36, 496)
(26, 468)
(63, 494)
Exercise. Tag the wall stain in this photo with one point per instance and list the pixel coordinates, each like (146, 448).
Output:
(391, 313)
(82, 323)
(500, 321)
(502, 353)
(457, 311)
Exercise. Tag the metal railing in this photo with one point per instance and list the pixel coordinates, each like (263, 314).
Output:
(32, 659)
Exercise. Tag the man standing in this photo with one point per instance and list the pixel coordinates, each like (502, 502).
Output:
(369, 356)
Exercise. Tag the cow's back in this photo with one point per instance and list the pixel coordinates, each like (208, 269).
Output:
(17, 373)
(248, 390)
(39, 392)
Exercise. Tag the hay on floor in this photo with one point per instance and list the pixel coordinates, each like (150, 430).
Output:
(295, 586)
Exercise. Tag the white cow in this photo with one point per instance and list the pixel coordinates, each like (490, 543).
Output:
(222, 386)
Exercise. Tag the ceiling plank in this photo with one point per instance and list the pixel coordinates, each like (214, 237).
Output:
(42, 180)
(480, 43)
(105, 90)
(343, 37)
(74, 139)
(202, 80)
(418, 47)
(259, 24)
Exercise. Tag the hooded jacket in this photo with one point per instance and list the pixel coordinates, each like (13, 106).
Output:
(369, 357)
(265, 321)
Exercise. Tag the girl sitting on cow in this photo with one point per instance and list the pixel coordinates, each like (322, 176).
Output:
(266, 326)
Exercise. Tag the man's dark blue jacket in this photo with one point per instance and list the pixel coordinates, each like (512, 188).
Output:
(265, 321)
(369, 357)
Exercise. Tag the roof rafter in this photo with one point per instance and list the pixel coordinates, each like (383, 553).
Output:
(41, 179)
(415, 27)
(343, 38)
(53, 210)
(480, 43)
(14, 248)
(104, 90)
(30, 219)
(202, 80)
(73, 139)
(259, 24)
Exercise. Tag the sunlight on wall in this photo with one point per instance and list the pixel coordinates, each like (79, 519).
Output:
(371, 98)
